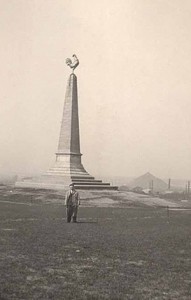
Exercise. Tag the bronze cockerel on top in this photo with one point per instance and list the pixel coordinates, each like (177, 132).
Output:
(72, 64)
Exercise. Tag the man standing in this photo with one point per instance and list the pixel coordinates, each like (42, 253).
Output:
(72, 201)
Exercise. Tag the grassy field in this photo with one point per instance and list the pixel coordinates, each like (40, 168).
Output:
(135, 252)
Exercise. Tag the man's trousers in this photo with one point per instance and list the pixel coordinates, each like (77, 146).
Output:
(71, 211)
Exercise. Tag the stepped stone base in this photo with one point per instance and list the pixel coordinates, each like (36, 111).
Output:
(65, 171)
(55, 183)
(59, 179)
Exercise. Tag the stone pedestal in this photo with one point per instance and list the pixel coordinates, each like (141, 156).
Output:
(68, 166)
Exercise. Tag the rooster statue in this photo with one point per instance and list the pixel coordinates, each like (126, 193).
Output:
(73, 64)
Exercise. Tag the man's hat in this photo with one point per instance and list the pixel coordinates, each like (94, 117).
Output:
(71, 184)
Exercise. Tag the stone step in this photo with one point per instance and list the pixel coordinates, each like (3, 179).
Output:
(68, 173)
(64, 176)
(85, 179)
(96, 187)
(88, 177)
(89, 183)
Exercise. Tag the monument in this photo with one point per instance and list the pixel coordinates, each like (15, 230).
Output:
(68, 167)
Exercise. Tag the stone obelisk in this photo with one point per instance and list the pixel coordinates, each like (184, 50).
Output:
(68, 167)
(68, 157)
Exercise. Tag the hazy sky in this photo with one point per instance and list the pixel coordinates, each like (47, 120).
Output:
(134, 83)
